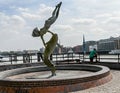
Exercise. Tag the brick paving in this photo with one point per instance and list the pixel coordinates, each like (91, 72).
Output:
(111, 87)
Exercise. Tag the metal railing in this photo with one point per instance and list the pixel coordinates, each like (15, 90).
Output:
(63, 57)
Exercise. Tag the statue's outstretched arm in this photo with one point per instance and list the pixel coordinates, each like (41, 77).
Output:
(50, 32)
(59, 45)
(43, 41)
(43, 38)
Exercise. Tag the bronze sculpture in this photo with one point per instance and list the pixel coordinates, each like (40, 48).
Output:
(50, 45)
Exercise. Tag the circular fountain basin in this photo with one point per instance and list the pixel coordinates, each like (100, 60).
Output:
(68, 78)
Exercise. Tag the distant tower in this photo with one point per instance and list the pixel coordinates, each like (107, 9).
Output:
(84, 46)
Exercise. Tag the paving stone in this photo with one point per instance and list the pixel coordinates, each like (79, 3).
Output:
(111, 87)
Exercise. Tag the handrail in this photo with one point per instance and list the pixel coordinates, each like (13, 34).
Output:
(30, 58)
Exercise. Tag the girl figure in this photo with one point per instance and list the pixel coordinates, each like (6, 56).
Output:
(50, 45)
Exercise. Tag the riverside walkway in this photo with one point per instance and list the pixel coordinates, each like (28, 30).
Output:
(111, 61)
(112, 86)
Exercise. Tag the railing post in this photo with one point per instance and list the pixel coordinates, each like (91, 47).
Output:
(83, 57)
(24, 61)
(99, 58)
(68, 58)
(16, 58)
(10, 58)
(38, 57)
(30, 56)
(72, 56)
(118, 58)
(79, 55)
(63, 56)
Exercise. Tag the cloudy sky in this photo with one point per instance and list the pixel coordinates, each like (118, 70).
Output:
(96, 19)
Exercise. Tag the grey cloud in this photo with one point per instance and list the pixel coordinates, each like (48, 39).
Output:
(10, 26)
(114, 20)
(63, 28)
(84, 21)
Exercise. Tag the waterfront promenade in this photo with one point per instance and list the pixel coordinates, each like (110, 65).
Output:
(112, 86)
(111, 61)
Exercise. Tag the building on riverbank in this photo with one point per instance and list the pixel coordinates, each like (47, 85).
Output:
(102, 46)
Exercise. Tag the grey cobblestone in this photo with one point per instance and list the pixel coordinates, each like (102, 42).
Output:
(111, 87)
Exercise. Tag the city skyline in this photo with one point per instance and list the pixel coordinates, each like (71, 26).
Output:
(95, 19)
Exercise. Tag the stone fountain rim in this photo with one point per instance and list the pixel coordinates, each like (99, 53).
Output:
(99, 72)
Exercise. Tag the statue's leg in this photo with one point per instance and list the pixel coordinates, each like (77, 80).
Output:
(49, 50)
(58, 9)
(50, 65)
